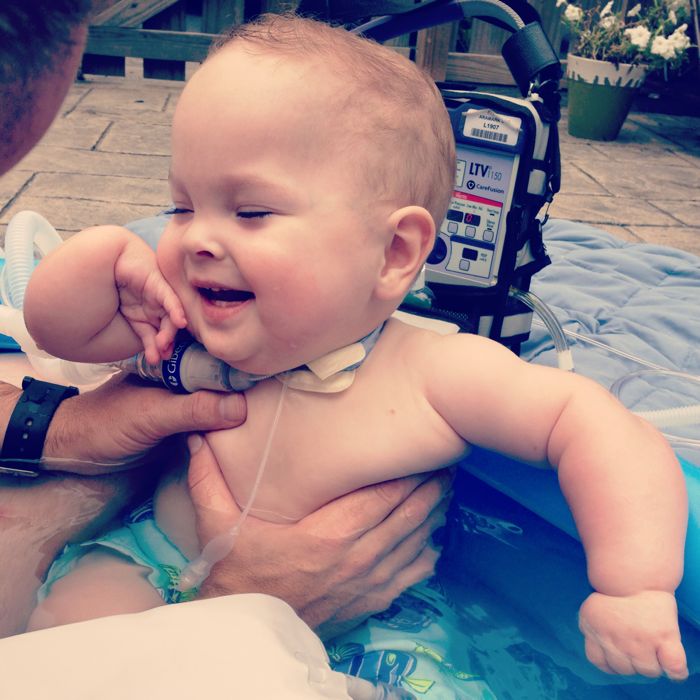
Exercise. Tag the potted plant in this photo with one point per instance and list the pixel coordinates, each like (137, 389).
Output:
(610, 55)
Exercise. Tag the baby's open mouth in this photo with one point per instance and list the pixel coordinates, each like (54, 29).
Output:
(224, 296)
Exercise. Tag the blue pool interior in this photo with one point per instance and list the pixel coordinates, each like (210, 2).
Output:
(516, 583)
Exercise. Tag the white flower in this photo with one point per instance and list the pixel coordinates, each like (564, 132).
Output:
(561, 2)
(672, 16)
(673, 5)
(607, 9)
(634, 11)
(573, 13)
(679, 39)
(661, 46)
(608, 22)
(639, 36)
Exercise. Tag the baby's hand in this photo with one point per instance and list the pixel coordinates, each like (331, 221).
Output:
(147, 301)
(634, 634)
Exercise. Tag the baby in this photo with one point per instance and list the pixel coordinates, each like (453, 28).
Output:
(309, 170)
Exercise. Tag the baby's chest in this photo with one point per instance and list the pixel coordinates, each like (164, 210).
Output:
(326, 445)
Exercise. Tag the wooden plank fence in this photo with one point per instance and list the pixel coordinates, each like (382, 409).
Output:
(168, 33)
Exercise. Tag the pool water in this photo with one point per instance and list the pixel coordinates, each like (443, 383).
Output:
(515, 583)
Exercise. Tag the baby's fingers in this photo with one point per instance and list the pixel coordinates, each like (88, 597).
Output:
(618, 661)
(165, 338)
(671, 656)
(160, 300)
(174, 309)
(596, 655)
(147, 335)
(169, 302)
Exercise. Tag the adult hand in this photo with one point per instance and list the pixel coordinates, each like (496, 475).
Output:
(114, 425)
(335, 567)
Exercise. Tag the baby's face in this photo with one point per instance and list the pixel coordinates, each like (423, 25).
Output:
(273, 251)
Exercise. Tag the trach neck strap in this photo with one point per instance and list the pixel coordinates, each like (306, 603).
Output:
(328, 374)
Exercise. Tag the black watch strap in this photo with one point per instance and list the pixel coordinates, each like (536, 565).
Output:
(26, 432)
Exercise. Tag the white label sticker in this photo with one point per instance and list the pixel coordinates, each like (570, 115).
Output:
(488, 125)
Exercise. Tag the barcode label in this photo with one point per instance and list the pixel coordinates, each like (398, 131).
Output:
(491, 135)
(491, 126)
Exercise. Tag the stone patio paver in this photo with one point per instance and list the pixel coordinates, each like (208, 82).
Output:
(608, 209)
(137, 138)
(674, 236)
(58, 159)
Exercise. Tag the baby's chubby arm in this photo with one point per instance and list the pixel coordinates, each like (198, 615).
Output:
(618, 474)
(100, 297)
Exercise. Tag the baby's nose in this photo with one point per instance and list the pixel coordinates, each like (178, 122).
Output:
(201, 240)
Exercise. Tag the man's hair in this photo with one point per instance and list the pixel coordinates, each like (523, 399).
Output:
(34, 33)
(386, 100)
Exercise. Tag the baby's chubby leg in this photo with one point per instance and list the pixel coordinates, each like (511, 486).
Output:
(102, 583)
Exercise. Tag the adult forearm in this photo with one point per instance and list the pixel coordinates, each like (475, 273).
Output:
(38, 517)
(9, 395)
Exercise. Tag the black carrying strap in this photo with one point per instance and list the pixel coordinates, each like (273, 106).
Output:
(352, 10)
(530, 57)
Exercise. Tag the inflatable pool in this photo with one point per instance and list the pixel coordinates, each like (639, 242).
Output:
(641, 302)
(538, 491)
(511, 565)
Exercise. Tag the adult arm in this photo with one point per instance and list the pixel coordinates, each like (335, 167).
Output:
(115, 425)
(335, 567)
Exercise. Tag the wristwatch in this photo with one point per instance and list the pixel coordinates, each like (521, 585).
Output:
(26, 432)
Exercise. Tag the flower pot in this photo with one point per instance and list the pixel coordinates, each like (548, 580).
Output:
(600, 96)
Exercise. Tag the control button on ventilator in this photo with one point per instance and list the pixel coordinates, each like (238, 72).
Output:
(452, 227)
(438, 253)
(470, 231)
(464, 265)
(488, 234)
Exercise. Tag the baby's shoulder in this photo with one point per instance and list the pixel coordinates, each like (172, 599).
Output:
(442, 349)
(421, 334)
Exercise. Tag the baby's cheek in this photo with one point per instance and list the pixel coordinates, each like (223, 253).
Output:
(169, 262)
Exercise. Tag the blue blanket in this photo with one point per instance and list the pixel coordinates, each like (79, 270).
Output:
(639, 299)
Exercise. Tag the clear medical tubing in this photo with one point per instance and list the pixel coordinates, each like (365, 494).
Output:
(26, 231)
(565, 359)
(662, 418)
(217, 548)
(665, 418)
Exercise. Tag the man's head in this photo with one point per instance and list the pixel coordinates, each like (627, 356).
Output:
(41, 44)
(308, 168)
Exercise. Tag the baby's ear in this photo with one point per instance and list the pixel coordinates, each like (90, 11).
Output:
(412, 236)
